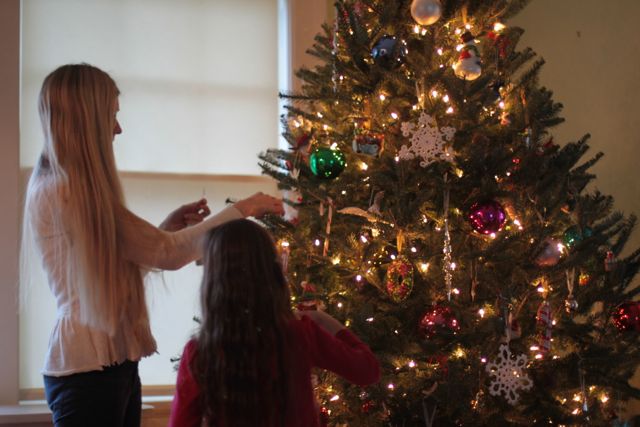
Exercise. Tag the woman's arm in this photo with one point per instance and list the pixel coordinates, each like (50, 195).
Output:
(149, 246)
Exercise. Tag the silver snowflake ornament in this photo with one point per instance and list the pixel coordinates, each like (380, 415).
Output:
(427, 141)
(509, 376)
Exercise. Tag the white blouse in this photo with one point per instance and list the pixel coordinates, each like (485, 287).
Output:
(75, 347)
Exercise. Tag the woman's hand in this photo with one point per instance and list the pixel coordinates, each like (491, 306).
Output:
(186, 215)
(259, 205)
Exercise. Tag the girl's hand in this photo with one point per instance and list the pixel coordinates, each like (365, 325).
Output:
(186, 215)
(259, 205)
(322, 319)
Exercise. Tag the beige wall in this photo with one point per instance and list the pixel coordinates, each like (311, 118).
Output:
(592, 49)
(9, 197)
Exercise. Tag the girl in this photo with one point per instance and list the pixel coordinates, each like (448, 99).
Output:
(95, 251)
(250, 363)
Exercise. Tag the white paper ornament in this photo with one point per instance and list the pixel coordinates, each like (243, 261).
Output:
(294, 197)
(509, 376)
(427, 141)
(426, 12)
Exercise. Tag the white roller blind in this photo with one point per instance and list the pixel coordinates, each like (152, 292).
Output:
(199, 78)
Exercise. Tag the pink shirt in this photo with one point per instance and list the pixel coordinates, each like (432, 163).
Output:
(343, 354)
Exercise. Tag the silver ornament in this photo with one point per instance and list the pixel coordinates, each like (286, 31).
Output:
(570, 304)
(426, 12)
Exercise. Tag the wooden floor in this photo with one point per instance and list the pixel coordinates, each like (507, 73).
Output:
(154, 414)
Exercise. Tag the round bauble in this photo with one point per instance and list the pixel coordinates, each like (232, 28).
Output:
(570, 304)
(426, 12)
(399, 279)
(388, 52)
(626, 316)
(438, 320)
(550, 254)
(487, 217)
(574, 235)
(327, 163)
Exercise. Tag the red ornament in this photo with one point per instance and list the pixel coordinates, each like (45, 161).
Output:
(609, 261)
(626, 316)
(324, 416)
(544, 320)
(437, 320)
(310, 299)
(368, 406)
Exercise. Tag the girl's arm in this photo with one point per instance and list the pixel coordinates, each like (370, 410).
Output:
(339, 351)
(186, 410)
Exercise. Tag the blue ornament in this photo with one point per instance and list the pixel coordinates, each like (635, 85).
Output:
(388, 52)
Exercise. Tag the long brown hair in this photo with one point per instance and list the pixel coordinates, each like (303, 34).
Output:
(76, 180)
(241, 363)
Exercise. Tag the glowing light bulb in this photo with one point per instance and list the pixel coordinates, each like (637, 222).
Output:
(382, 97)
(334, 398)
(424, 266)
(411, 364)
(394, 115)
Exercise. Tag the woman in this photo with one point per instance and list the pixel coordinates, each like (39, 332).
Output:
(94, 251)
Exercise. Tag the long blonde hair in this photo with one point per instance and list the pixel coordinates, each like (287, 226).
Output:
(77, 107)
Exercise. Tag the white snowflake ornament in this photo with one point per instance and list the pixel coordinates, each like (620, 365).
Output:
(427, 141)
(509, 376)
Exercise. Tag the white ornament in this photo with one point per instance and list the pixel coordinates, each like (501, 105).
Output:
(509, 375)
(468, 65)
(426, 12)
(427, 141)
(293, 197)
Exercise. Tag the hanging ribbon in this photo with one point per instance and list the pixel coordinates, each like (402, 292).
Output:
(446, 250)
(334, 51)
(325, 249)
(583, 387)
(399, 241)
(429, 417)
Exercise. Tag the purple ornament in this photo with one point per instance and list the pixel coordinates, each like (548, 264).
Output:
(487, 217)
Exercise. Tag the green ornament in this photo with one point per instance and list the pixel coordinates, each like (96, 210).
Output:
(327, 163)
(574, 235)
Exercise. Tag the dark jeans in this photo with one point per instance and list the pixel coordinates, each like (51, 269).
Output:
(109, 398)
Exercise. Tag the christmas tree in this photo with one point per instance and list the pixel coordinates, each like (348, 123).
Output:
(430, 209)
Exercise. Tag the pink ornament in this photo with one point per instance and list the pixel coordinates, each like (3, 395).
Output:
(487, 217)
